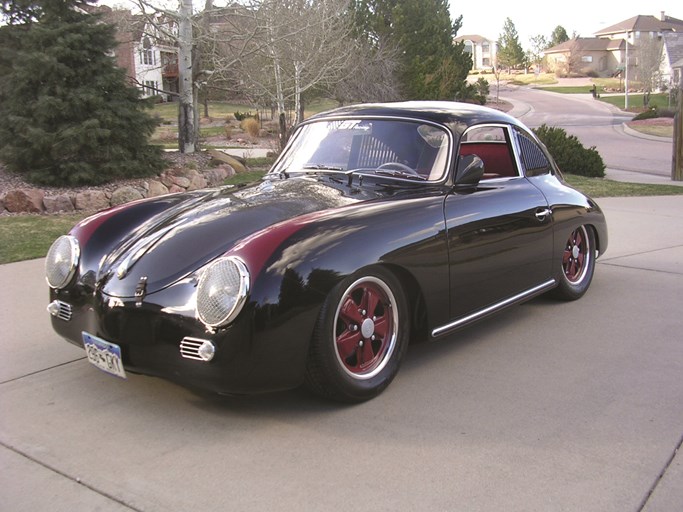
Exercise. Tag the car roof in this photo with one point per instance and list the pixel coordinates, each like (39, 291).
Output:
(458, 116)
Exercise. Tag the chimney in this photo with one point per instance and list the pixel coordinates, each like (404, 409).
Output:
(662, 16)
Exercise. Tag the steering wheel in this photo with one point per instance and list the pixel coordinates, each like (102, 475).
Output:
(399, 166)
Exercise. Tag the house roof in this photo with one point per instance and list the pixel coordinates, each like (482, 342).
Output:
(474, 38)
(643, 23)
(588, 44)
(673, 42)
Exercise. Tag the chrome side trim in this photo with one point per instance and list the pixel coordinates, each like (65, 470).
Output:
(439, 331)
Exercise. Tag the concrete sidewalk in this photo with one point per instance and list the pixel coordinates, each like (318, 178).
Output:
(549, 406)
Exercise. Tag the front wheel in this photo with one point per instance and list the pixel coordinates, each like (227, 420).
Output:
(578, 264)
(360, 337)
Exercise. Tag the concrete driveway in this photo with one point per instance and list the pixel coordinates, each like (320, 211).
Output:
(549, 406)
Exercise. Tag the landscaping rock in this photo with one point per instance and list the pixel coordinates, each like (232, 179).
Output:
(57, 204)
(166, 180)
(24, 201)
(181, 181)
(2, 204)
(91, 200)
(216, 176)
(125, 195)
(174, 189)
(156, 188)
(197, 181)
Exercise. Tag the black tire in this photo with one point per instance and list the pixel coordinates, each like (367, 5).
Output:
(360, 337)
(577, 264)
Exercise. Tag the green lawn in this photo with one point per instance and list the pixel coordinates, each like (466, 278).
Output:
(635, 101)
(27, 237)
(601, 187)
(584, 89)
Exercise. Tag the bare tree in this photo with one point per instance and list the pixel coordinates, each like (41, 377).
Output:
(649, 58)
(369, 75)
(305, 46)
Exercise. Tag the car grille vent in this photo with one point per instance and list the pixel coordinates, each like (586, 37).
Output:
(64, 310)
(189, 348)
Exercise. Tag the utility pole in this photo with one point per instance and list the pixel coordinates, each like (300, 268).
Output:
(677, 160)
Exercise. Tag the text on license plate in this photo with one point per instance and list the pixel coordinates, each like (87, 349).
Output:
(106, 356)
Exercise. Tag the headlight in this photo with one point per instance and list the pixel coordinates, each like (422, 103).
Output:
(61, 261)
(222, 291)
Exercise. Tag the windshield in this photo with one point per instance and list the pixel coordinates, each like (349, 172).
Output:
(404, 149)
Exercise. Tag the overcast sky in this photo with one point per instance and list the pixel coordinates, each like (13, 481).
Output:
(586, 17)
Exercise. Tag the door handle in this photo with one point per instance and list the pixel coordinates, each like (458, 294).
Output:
(542, 214)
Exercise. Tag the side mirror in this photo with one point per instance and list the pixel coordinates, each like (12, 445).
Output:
(470, 171)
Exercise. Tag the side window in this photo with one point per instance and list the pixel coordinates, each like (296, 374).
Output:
(533, 158)
(492, 145)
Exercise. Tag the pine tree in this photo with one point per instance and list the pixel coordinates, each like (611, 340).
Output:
(432, 66)
(69, 116)
(510, 51)
(558, 36)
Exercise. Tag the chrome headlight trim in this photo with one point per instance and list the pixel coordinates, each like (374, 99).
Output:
(61, 261)
(222, 291)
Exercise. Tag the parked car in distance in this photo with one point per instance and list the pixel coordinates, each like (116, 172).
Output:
(379, 224)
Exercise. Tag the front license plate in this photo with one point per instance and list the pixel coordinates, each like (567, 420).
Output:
(106, 356)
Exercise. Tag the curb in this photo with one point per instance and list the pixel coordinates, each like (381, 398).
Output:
(634, 133)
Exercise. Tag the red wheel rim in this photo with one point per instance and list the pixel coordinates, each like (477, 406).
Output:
(576, 256)
(366, 324)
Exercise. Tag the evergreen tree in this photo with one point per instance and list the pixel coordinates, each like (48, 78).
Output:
(510, 51)
(68, 115)
(432, 66)
(558, 36)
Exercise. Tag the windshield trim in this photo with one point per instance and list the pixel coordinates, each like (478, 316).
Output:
(275, 171)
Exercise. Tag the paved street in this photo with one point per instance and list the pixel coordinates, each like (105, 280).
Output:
(547, 407)
(629, 156)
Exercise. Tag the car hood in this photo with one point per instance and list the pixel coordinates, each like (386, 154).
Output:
(176, 242)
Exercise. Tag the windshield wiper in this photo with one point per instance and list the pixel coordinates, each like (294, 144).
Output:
(400, 174)
(322, 167)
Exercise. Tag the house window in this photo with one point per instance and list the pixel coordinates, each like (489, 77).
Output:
(485, 47)
(147, 53)
(486, 62)
(468, 47)
(150, 88)
(586, 58)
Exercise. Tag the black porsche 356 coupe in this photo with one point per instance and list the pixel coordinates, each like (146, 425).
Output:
(378, 224)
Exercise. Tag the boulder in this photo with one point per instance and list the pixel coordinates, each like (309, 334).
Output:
(24, 200)
(2, 204)
(156, 188)
(181, 181)
(218, 175)
(174, 189)
(197, 181)
(125, 195)
(57, 204)
(91, 200)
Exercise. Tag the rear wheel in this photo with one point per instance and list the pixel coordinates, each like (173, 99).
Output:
(578, 264)
(360, 337)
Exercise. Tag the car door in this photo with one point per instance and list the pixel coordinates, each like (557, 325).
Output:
(500, 234)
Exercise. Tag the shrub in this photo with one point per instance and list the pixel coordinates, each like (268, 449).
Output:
(241, 116)
(569, 154)
(650, 113)
(250, 126)
(655, 112)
